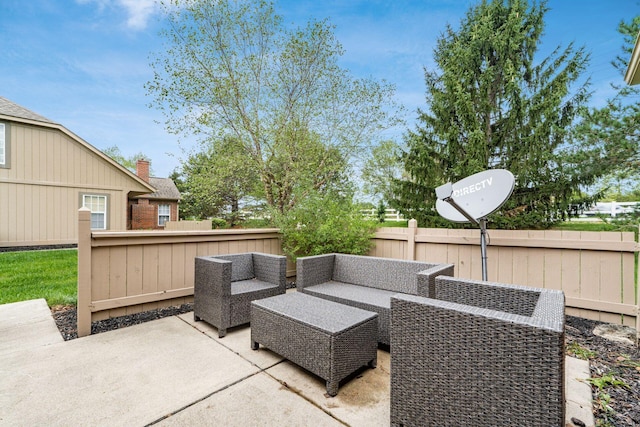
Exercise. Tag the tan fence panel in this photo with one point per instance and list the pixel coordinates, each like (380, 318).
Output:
(123, 273)
(203, 225)
(594, 269)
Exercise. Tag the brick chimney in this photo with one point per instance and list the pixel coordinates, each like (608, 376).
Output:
(142, 170)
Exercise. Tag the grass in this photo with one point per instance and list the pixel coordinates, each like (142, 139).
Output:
(576, 350)
(51, 275)
(594, 226)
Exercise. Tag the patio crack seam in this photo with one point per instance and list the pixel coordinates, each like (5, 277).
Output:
(201, 399)
(260, 370)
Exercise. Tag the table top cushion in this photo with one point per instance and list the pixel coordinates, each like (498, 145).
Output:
(318, 313)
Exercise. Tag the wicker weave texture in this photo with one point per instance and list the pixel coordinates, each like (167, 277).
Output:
(328, 339)
(463, 365)
(367, 282)
(224, 302)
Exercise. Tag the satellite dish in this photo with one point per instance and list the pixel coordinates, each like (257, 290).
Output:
(473, 198)
(479, 195)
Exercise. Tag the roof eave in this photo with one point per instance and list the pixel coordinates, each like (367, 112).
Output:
(632, 76)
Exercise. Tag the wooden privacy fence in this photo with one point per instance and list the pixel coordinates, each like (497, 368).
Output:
(204, 224)
(128, 272)
(133, 271)
(596, 270)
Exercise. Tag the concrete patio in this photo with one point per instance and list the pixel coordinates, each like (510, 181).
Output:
(174, 372)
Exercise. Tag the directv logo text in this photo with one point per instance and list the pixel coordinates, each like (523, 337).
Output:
(473, 187)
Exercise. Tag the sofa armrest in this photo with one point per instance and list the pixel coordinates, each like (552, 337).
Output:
(314, 270)
(271, 268)
(427, 279)
(212, 277)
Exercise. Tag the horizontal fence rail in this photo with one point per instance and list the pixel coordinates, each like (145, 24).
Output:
(129, 272)
(122, 273)
(596, 270)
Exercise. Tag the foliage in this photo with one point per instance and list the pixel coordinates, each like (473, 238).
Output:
(214, 182)
(576, 350)
(615, 128)
(233, 68)
(380, 169)
(324, 224)
(607, 380)
(381, 212)
(128, 162)
(52, 275)
(491, 106)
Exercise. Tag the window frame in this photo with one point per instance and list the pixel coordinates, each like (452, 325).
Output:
(106, 198)
(167, 215)
(5, 144)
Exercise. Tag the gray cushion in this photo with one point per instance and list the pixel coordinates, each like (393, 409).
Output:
(346, 291)
(252, 285)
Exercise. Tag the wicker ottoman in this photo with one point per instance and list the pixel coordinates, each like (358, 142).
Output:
(328, 339)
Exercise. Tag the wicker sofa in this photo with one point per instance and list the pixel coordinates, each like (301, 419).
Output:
(225, 285)
(367, 282)
(480, 353)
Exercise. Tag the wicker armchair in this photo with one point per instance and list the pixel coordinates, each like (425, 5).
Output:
(480, 354)
(225, 285)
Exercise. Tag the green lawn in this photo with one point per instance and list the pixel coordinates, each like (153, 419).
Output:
(51, 275)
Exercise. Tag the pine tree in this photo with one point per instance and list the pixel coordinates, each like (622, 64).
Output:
(615, 128)
(489, 105)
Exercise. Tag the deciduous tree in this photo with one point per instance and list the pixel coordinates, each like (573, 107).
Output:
(233, 68)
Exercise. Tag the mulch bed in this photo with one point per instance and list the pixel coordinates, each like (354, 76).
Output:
(611, 362)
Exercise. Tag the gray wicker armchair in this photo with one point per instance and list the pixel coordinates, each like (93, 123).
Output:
(480, 354)
(225, 285)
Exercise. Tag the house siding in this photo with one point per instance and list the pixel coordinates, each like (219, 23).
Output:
(39, 193)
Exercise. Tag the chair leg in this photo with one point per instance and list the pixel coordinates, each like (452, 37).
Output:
(222, 333)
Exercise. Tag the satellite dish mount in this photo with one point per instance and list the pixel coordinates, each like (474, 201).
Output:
(473, 198)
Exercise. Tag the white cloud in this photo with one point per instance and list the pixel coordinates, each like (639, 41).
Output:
(138, 11)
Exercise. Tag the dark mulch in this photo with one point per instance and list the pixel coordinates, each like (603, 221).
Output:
(614, 405)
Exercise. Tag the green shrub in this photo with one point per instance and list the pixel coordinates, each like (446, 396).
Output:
(218, 223)
(324, 224)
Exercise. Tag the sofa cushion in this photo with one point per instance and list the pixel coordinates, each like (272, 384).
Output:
(388, 274)
(347, 292)
(252, 285)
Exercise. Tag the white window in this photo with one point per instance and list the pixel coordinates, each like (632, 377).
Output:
(98, 207)
(164, 214)
(3, 146)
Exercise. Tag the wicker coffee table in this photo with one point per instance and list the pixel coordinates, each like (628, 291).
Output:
(328, 339)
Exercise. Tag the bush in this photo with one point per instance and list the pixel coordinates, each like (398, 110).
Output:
(324, 224)
(218, 223)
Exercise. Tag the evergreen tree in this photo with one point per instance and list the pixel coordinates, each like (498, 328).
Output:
(615, 128)
(491, 106)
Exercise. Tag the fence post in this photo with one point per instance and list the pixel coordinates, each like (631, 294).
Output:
(84, 272)
(412, 228)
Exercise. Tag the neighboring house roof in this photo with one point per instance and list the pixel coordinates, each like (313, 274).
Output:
(13, 112)
(165, 190)
(12, 109)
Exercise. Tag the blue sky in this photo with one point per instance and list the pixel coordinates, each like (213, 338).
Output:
(83, 63)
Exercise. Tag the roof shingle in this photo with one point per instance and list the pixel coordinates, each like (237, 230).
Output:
(12, 109)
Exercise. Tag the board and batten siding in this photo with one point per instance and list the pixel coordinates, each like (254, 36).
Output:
(41, 191)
